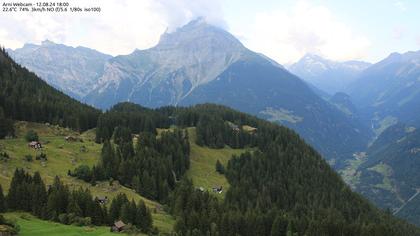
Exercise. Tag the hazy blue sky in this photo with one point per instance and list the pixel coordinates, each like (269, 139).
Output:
(283, 30)
(356, 29)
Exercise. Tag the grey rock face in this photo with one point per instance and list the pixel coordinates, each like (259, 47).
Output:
(165, 74)
(74, 71)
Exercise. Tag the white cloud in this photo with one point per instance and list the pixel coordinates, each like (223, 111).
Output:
(287, 35)
(122, 26)
(180, 12)
(400, 5)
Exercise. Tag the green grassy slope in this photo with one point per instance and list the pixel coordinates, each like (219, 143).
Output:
(63, 156)
(32, 226)
(203, 164)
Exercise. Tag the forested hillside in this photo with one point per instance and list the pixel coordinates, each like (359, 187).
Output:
(281, 187)
(24, 96)
(284, 187)
(391, 169)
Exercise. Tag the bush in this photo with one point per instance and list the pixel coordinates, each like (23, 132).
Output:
(72, 219)
(81, 221)
(42, 156)
(9, 226)
(4, 156)
(63, 219)
(31, 136)
(219, 167)
(28, 158)
(82, 172)
(83, 149)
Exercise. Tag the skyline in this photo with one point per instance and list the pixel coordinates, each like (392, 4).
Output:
(283, 31)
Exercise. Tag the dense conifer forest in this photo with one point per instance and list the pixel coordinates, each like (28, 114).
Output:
(59, 203)
(284, 187)
(136, 118)
(151, 168)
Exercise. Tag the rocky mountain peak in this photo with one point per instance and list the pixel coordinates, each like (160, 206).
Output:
(325, 74)
(69, 69)
(311, 57)
(395, 57)
(198, 34)
(47, 43)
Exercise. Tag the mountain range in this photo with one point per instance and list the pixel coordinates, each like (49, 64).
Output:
(201, 63)
(327, 75)
(386, 97)
(74, 71)
(389, 91)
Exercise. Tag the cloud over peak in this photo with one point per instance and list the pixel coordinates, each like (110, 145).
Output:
(121, 26)
(287, 35)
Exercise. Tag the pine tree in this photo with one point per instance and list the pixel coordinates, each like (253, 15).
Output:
(126, 213)
(58, 199)
(52, 206)
(279, 227)
(73, 207)
(97, 213)
(6, 125)
(114, 210)
(290, 228)
(135, 183)
(39, 196)
(143, 217)
(105, 216)
(116, 205)
(14, 197)
(2, 201)
(219, 167)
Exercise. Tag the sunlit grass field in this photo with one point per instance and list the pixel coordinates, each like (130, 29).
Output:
(203, 164)
(63, 156)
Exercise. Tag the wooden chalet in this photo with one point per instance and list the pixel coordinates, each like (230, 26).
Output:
(118, 226)
(218, 189)
(233, 126)
(35, 145)
(70, 139)
(102, 199)
(249, 129)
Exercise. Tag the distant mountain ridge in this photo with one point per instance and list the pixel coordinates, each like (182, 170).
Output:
(74, 71)
(327, 75)
(25, 97)
(387, 96)
(389, 91)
